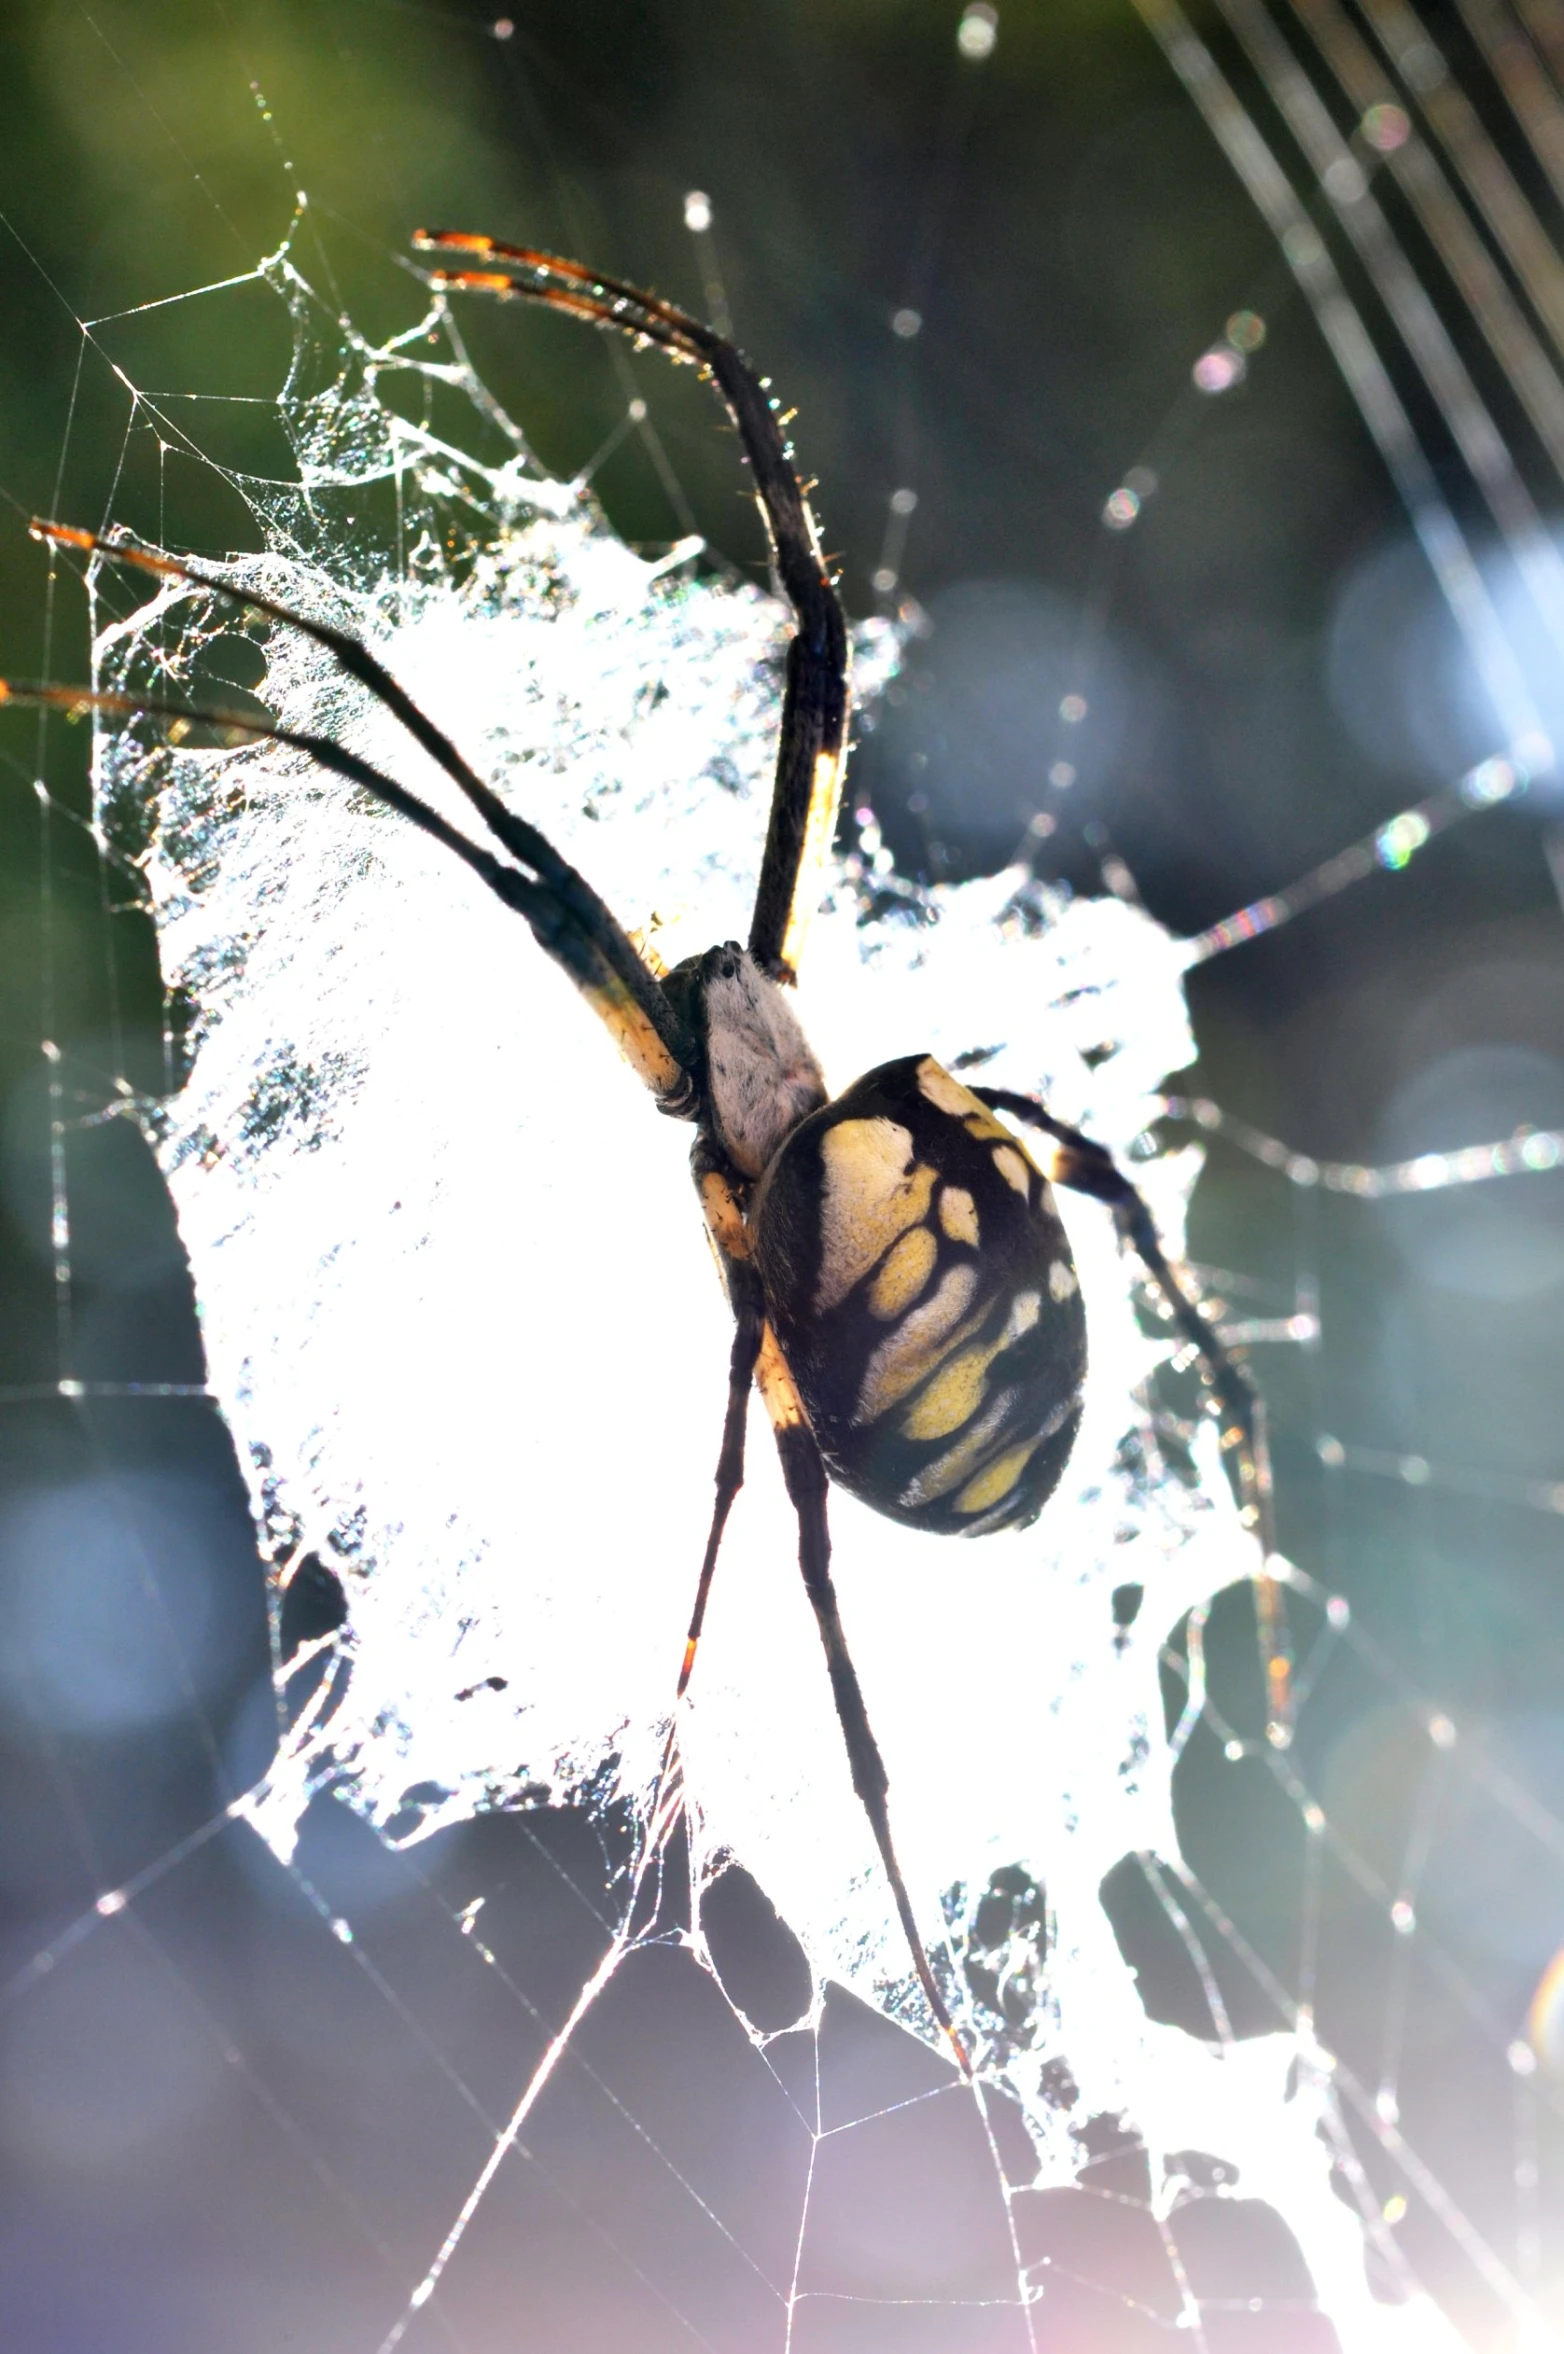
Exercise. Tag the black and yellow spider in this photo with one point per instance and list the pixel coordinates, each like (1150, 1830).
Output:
(902, 1287)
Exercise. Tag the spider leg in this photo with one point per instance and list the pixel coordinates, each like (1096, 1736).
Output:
(749, 1321)
(724, 1217)
(757, 1356)
(730, 1240)
(1088, 1168)
(567, 917)
(805, 1477)
(812, 751)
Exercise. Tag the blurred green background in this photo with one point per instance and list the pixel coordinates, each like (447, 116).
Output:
(1071, 241)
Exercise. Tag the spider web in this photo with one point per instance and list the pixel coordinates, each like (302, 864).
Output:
(457, 1315)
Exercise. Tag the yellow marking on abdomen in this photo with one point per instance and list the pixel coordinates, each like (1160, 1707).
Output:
(904, 1274)
(1011, 1164)
(937, 1087)
(958, 1214)
(953, 1396)
(907, 1353)
(870, 1198)
(934, 1411)
(959, 1387)
(997, 1480)
(947, 1471)
(1025, 1309)
(1061, 1280)
(946, 1094)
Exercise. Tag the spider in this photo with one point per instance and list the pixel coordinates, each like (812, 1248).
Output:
(903, 1293)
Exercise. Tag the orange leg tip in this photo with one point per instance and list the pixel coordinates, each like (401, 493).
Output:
(92, 543)
(475, 281)
(451, 241)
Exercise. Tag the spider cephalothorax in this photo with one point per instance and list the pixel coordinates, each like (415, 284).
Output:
(903, 1294)
(759, 1073)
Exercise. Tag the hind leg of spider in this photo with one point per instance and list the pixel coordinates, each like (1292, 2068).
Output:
(749, 1324)
(1088, 1168)
(720, 1189)
(715, 1183)
(804, 1474)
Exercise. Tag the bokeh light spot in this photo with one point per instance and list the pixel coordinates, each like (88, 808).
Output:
(978, 30)
(1386, 128)
(1218, 370)
(1396, 844)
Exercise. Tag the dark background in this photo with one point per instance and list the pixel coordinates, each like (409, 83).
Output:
(223, 2128)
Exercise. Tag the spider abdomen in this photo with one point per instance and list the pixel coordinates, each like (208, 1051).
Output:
(920, 1283)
